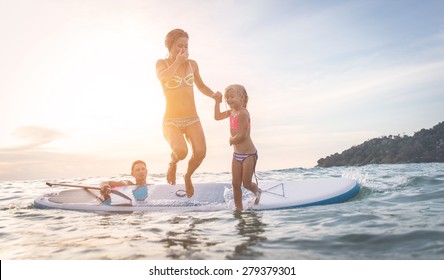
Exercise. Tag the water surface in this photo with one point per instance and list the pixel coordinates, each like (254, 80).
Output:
(396, 215)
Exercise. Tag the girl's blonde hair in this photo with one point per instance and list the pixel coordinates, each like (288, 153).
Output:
(239, 89)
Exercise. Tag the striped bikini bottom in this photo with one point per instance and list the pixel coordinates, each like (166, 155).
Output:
(241, 157)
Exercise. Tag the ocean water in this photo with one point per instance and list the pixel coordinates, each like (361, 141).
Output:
(397, 215)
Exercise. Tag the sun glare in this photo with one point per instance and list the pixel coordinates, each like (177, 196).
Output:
(101, 92)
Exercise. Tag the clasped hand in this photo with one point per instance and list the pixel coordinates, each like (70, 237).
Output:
(218, 97)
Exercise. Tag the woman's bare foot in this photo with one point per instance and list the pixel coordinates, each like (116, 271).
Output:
(171, 174)
(258, 196)
(189, 188)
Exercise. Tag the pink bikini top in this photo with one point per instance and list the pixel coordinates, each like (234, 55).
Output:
(234, 121)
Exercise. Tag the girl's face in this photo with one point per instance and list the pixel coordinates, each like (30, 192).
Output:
(180, 46)
(234, 99)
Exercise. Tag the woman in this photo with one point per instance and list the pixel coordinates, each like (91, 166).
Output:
(177, 75)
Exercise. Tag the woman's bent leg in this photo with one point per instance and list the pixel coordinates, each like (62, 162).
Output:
(196, 138)
(175, 139)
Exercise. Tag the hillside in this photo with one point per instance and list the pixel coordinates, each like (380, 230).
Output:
(426, 145)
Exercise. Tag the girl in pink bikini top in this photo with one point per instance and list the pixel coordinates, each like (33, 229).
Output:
(245, 154)
(234, 120)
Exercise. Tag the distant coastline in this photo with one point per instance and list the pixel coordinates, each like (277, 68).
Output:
(426, 145)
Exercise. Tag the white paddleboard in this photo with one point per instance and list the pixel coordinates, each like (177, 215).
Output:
(211, 196)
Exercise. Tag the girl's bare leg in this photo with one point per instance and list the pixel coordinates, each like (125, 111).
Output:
(236, 173)
(247, 176)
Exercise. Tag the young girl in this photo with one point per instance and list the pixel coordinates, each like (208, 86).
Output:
(245, 153)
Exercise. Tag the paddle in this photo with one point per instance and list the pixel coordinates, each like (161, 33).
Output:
(72, 186)
(88, 187)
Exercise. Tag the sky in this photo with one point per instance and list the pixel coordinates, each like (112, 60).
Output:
(79, 95)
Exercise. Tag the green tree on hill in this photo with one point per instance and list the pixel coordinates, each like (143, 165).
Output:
(426, 145)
